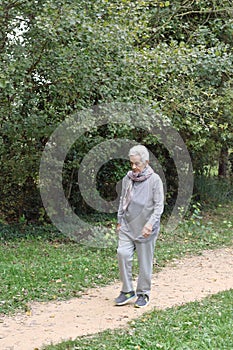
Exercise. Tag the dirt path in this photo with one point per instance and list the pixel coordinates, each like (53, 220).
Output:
(189, 279)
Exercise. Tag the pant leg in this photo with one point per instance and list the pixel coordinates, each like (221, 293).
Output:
(125, 251)
(145, 253)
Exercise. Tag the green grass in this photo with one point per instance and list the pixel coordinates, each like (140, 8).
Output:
(213, 191)
(195, 326)
(47, 268)
(39, 264)
(200, 232)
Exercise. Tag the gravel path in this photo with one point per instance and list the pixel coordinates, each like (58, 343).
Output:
(189, 279)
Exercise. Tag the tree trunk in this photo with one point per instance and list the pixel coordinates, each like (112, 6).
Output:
(223, 160)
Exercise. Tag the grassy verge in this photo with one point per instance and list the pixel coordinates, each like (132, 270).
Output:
(39, 264)
(40, 268)
(205, 325)
(209, 230)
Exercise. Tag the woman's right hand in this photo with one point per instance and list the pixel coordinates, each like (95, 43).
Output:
(118, 227)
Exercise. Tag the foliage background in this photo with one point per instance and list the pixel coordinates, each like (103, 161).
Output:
(60, 57)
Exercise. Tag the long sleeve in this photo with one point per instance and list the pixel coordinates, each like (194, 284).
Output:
(158, 201)
(120, 208)
(145, 206)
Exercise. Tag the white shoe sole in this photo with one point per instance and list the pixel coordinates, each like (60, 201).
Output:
(139, 307)
(126, 301)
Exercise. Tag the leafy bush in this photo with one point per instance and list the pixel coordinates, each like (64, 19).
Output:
(212, 191)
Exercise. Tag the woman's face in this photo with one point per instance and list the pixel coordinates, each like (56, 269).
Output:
(136, 164)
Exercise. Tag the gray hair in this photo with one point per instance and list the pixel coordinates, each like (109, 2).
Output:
(141, 151)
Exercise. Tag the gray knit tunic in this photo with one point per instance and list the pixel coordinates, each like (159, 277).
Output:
(146, 206)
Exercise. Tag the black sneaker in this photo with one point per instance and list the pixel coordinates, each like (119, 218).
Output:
(142, 300)
(124, 298)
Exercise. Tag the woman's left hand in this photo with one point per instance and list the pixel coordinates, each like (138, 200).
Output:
(147, 230)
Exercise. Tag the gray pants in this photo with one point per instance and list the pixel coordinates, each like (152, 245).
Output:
(145, 254)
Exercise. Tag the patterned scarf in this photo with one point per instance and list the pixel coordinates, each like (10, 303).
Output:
(135, 177)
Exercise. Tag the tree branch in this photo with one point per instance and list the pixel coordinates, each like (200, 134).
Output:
(204, 12)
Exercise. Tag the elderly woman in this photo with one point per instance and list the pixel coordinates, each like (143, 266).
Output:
(140, 209)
